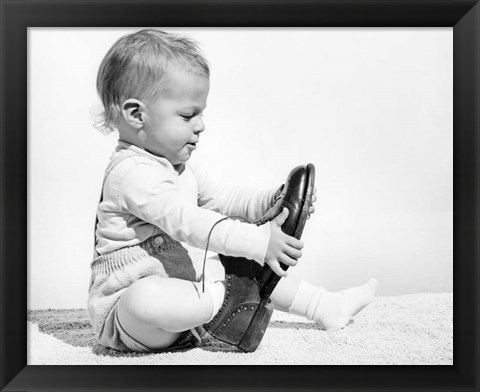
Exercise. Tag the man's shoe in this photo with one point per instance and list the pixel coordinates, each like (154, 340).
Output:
(247, 309)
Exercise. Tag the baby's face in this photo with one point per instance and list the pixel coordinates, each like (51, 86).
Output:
(175, 116)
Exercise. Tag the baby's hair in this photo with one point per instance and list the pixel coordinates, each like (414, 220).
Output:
(135, 65)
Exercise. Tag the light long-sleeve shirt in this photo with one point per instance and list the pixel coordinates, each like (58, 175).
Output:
(144, 195)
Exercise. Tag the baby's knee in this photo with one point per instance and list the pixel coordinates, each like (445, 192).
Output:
(146, 302)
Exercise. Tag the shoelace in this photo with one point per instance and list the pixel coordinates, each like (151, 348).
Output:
(208, 242)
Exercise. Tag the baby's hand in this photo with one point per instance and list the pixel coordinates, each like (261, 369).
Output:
(312, 207)
(282, 248)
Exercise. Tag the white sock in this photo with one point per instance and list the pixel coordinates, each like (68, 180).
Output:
(217, 292)
(332, 310)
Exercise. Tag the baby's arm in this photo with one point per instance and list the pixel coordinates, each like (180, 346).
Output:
(151, 194)
(248, 202)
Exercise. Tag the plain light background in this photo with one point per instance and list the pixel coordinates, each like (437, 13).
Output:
(371, 108)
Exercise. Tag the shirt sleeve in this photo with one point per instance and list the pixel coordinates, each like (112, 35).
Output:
(151, 193)
(248, 202)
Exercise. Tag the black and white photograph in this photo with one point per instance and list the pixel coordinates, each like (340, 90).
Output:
(240, 196)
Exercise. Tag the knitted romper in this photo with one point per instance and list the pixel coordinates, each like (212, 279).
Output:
(112, 274)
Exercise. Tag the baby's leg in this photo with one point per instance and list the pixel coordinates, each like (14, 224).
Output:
(332, 310)
(155, 310)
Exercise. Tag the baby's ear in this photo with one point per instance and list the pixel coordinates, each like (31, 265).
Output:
(133, 112)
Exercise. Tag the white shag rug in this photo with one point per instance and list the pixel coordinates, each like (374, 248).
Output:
(412, 329)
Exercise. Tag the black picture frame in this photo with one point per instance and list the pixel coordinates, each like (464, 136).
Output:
(18, 15)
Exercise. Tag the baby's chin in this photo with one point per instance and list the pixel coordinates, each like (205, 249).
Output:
(176, 160)
(180, 160)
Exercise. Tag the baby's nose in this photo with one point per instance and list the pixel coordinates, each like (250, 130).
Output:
(199, 126)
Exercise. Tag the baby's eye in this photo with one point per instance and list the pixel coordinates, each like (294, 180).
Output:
(189, 116)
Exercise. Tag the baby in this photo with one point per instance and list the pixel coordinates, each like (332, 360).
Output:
(157, 210)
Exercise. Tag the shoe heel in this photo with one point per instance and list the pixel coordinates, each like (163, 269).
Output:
(254, 333)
